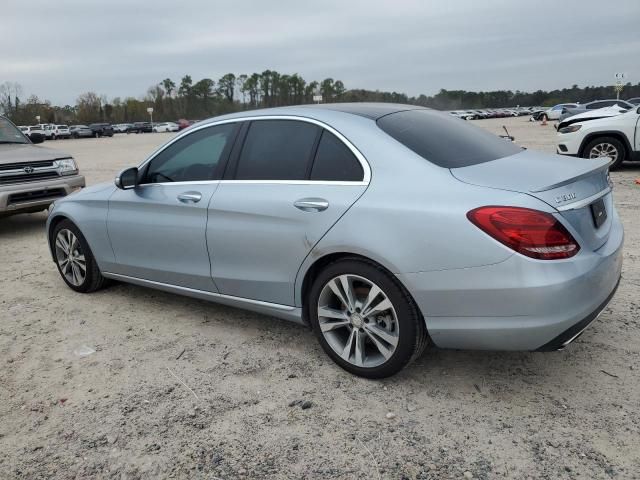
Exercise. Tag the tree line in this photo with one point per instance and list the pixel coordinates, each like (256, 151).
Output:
(230, 93)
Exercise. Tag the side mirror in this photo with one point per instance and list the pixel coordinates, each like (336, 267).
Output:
(36, 137)
(127, 179)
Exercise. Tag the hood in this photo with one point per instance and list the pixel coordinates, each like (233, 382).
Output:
(27, 152)
(592, 115)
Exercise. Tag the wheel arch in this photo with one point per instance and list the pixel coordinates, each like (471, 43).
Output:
(617, 134)
(51, 225)
(318, 264)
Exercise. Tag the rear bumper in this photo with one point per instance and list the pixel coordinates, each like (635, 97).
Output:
(35, 196)
(520, 303)
(573, 332)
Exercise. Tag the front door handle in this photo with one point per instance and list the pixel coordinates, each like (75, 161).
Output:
(190, 197)
(311, 204)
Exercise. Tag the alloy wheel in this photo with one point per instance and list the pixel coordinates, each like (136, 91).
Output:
(604, 150)
(358, 320)
(70, 257)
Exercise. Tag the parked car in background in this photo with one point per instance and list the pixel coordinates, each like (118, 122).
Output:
(61, 131)
(47, 129)
(166, 127)
(101, 129)
(32, 177)
(294, 231)
(121, 127)
(80, 131)
(616, 137)
(464, 114)
(554, 112)
(595, 105)
(183, 123)
(140, 127)
(33, 131)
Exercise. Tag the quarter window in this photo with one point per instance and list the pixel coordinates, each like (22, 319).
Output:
(335, 162)
(277, 150)
(193, 157)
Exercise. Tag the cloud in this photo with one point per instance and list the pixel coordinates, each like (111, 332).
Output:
(59, 50)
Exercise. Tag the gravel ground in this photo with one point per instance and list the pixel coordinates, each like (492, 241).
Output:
(181, 388)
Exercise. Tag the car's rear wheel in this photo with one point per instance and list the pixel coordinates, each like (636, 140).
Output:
(606, 147)
(365, 320)
(74, 259)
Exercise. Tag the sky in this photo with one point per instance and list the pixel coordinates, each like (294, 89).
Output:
(62, 48)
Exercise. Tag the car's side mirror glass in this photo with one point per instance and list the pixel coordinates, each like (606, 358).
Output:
(127, 179)
(36, 138)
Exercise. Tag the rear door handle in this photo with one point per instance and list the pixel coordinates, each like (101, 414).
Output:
(190, 197)
(311, 204)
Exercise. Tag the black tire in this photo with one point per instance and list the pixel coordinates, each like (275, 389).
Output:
(614, 142)
(96, 134)
(93, 279)
(412, 337)
(544, 117)
(53, 137)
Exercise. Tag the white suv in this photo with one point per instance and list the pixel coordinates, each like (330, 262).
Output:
(61, 131)
(616, 137)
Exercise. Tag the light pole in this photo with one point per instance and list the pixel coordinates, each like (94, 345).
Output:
(150, 112)
(619, 84)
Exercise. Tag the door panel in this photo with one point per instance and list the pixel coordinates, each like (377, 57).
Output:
(258, 237)
(157, 232)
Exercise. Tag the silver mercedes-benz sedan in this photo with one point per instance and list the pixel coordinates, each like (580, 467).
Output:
(384, 227)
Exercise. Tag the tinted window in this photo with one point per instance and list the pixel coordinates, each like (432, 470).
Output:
(9, 133)
(276, 150)
(445, 140)
(192, 158)
(594, 105)
(334, 161)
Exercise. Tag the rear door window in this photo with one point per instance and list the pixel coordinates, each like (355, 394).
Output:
(334, 161)
(277, 150)
(445, 140)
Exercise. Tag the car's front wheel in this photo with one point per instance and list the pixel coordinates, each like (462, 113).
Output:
(365, 320)
(606, 147)
(74, 259)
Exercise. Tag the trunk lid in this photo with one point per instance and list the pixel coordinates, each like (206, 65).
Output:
(570, 185)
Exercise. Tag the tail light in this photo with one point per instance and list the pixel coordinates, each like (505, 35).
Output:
(529, 232)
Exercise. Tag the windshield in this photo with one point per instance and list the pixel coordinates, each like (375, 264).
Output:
(9, 133)
(445, 140)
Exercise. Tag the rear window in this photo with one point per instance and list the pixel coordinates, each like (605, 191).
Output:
(445, 140)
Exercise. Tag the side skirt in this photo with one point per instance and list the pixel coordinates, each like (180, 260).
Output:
(285, 312)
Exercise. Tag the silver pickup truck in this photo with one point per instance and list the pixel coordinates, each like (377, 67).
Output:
(32, 177)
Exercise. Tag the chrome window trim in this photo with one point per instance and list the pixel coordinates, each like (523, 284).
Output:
(363, 161)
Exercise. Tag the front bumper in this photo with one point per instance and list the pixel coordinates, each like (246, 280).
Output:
(31, 196)
(520, 303)
(569, 143)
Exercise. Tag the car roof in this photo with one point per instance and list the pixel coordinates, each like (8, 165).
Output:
(372, 111)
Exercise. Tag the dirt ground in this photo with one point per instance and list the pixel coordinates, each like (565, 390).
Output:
(180, 388)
